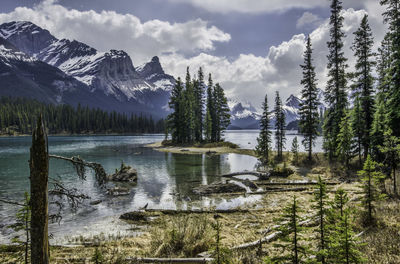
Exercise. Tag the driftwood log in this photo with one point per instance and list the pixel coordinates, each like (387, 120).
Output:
(169, 260)
(254, 173)
(293, 183)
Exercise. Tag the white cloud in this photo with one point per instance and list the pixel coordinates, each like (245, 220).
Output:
(308, 19)
(249, 77)
(252, 6)
(110, 30)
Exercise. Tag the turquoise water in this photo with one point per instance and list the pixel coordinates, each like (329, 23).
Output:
(165, 179)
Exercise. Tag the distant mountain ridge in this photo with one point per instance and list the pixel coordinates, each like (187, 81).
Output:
(110, 73)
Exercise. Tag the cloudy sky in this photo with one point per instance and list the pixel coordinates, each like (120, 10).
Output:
(251, 47)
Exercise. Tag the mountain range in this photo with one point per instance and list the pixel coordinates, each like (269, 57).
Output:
(35, 64)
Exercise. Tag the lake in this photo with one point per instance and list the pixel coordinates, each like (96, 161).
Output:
(165, 180)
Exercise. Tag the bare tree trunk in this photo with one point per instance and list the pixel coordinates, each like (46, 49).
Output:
(39, 173)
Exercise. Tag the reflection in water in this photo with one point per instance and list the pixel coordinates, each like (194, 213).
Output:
(165, 179)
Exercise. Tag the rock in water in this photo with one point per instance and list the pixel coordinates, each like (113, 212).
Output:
(124, 174)
(118, 191)
(218, 187)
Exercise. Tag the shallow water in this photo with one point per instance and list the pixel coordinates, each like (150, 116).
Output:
(165, 179)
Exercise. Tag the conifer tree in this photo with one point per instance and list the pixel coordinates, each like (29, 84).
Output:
(363, 88)
(279, 126)
(291, 237)
(199, 102)
(380, 124)
(176, 118)
(210, 112)
(189, 109)
(295, 150)
(358, 125)
(345, 140)
(222, 116)
(309, 117)
(264, 139)
(320, 200)
(335, 92)
(344, 243)
(370, 178)
(391, 150)
(392, 18)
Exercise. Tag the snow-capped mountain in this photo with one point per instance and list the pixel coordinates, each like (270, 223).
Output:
(111, 73)
(243, 115)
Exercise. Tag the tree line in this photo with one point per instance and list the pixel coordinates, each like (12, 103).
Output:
(370, 123)
(197, 117)
(19, 115)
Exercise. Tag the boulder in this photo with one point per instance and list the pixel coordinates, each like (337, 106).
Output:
(124, 174)
(219, 187)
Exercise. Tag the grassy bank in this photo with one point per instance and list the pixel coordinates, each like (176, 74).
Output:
(199, 148)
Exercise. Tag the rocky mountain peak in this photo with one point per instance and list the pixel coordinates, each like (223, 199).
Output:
(28, 37)
(293, 101)
(150, 68)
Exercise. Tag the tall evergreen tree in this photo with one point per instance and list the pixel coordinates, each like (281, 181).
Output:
(222, 116)
(189, 109)
(309, 117)
(264, 139)
(176, 118)
(364, 85)
(210, 112)
(279, 126)
(335, 92)
(199, 105)
(392, 18)
(380, 124)
(295, 150)
(345, 140)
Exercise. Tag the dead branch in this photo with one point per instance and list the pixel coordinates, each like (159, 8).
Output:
(11, 202)
(80, 167)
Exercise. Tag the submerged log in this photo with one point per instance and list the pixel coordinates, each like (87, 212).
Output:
(219, 187)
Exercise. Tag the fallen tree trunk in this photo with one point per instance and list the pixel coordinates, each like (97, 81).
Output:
(169, 260)
(272, 237)
(299, 189)
(174, 212)
(254, 173)
(292, 183)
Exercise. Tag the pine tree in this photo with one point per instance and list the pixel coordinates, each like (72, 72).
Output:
(309, 118)
(380, 125)
(358, 125)
(279, 126)
(392, 18)
(345, 140)
(295, 150)
(264, 139)
(189, 109)
(344, 243)
(176, 118)
(222, 116)
(320, 200)
(370, 178)
(363, 88)
(391, 150)
(199, 102)
(291, 237)
(22, 223)
(210, 112)
(335, 92)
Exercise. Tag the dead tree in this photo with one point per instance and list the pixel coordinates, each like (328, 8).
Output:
(39, 176)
